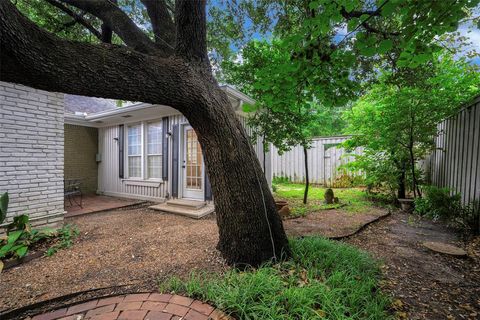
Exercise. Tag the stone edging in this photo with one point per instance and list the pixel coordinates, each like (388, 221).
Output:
(345, 236)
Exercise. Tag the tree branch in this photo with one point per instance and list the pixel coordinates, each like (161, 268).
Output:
(107, 32)
(36, 58)
(120, 23)
(76, 17)
(364, 23)
(191, 27)
(162, 23)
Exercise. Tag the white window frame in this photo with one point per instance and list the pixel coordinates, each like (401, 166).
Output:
(128, 156)
(143, 151)
(146, 175)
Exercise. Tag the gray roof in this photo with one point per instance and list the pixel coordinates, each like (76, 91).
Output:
(74, 103)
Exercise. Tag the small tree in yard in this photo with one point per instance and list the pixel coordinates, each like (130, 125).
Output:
(286, 114)
(397, 119)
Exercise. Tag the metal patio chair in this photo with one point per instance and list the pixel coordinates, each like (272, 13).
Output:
(72, 190)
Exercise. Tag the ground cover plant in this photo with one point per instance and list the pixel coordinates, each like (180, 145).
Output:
(443, 204)
(323, 280)
(351, 200)
(20, 238)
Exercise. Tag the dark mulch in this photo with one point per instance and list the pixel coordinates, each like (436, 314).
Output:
(424, 284)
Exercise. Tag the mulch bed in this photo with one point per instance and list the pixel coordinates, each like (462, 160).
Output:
(424, 284)
(333, 223)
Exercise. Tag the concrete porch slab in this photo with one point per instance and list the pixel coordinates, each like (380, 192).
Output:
(97, 203)
(191, 204)
(185, 210)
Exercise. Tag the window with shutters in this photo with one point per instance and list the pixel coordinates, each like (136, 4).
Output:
(144, 151)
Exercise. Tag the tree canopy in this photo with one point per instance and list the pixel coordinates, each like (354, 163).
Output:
(397, 118)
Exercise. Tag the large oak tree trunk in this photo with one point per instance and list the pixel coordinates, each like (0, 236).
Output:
(250, 228)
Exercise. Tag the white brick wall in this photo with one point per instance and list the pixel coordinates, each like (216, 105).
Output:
(31, 153)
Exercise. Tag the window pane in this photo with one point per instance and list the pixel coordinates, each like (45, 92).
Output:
(134, 140)
(154, 167)
(135, 166)
(154, 139)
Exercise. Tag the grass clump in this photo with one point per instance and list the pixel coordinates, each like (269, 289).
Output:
(352, 200)
(322, 280)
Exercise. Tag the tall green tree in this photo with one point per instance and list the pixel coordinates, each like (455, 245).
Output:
(397, 119)
(287, 112)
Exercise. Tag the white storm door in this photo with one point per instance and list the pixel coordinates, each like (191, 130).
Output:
(192, 166)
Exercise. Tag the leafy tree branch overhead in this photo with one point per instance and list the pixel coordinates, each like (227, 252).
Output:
(138, 68)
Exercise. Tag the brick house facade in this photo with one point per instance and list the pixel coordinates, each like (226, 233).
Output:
(31, 153)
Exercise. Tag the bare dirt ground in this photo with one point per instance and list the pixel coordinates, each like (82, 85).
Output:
(124, 247)
(333, 224)
(424, 284)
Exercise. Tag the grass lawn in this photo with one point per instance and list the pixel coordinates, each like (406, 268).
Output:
(323, 280)
(352, 200)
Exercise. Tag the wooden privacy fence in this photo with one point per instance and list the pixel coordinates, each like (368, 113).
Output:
(324, 159)
(455, 162)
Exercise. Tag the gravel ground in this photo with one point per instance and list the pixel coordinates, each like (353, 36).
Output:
(133, 247)
(130, 250)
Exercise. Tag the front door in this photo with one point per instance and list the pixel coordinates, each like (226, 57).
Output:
(192, 165)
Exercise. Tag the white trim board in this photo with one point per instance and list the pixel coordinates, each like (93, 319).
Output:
(130, 196)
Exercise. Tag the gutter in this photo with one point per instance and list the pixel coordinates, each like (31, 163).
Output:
(89, 119)
(79, 120)
(237, 94)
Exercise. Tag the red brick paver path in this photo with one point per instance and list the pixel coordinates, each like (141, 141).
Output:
(140, 306)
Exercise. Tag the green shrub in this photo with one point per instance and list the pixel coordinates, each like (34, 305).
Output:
(20, 237)
(469, 219)
(323, 280)
(438, 203)
(65, 235)
(280, 179)
(346, 180)
(274, 188)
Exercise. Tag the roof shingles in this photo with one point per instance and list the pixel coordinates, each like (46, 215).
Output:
(74, 103)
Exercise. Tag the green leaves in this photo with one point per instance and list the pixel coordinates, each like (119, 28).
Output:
(14, 236)
(385, 46)
(389, 7)
(21, 250)
(407, 106)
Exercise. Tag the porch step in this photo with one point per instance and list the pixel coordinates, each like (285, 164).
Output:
(185, 211)
(188, 204)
